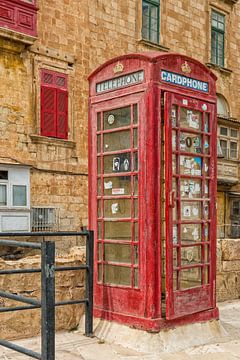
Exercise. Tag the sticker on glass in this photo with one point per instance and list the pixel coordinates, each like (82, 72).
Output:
(197, 166)
(110, 119)
(108, 185)
(192, 120)
(126, 165)
(116, 164)
(118, 191)
(115, 208)
(195, 234)
(185, 102)
(195, 211)
(188, 142)
(187, 211)
(182, 142)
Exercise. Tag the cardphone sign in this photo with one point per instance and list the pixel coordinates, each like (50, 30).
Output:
(178, 79)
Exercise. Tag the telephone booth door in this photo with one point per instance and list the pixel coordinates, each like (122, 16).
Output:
(190, 205)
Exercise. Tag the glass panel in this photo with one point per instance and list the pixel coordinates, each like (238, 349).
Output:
(190, 143)
(135, 158)
(206, 275)
(206, 254)
(191, 233)
(98, 121)
(223, 144)
(117, 118)
(117, 163)
(174, 140)
(100, 253)
(233, 150)
(117, 275)
(135, 114)
(19, 195)
(136, 208)
(99, 143)
(100, 273)
(207, 189)
(119, 208)
(207, 145)
(117, 185)
(116, 141)
(206, 123)
(99, 230)
(3, 195)
(174, 186)
(190, 165)
(175, 235)
(99, 165)
(174, 169)
(190, 278)
(116, 230)
(233, 133)
(206, 210)
(206, 232)
(175, 258)
(206, 167)
(135, 231)
(175, 276)
(174, 116)
(135, 278)
(99, 187)
(190, 188)
(191, 255)
(135, 138)
(3, 175)
(99, 208)
(135, 179)
(191, 210)
(118, 253)
(190, 119)
(135, 255)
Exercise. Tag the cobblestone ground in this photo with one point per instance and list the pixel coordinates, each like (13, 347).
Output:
(74, 346)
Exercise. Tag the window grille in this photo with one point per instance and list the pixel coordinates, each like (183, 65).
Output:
(44, 219)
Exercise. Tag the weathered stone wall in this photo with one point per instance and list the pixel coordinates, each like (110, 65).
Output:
(228, 269)
(69, 286)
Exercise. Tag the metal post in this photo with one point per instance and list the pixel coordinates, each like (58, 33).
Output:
(48, 300)
(89, 285)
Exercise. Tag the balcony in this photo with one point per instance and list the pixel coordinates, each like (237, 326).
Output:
(18, 20)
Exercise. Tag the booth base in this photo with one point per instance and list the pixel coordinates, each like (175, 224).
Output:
(156, 325)
(171, 338)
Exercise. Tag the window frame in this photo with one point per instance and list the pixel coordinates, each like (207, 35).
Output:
(152, 3)
(17, 176)
(229, 139)
(217, 31)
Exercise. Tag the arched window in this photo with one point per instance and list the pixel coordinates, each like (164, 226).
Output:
(222, 107)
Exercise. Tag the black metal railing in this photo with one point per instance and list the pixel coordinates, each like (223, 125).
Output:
(47, 302)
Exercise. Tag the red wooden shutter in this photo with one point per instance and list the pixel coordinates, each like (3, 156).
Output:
(62, 114)
(48, 110)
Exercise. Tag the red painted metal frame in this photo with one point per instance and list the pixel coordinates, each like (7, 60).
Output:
(19, 16)
(142, 307)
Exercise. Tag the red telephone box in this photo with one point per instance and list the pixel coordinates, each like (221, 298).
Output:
(152, 190)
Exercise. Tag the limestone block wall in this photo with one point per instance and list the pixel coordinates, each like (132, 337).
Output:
(69, 286)
(228, 269)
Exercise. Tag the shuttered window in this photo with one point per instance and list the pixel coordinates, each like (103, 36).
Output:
(54, 104)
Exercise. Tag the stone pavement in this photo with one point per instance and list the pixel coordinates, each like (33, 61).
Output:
(75, 346)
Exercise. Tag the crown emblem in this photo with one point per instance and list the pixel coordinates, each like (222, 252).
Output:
(118, 68)
(186, 68)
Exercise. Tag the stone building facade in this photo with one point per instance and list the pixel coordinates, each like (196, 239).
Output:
(43, 162)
